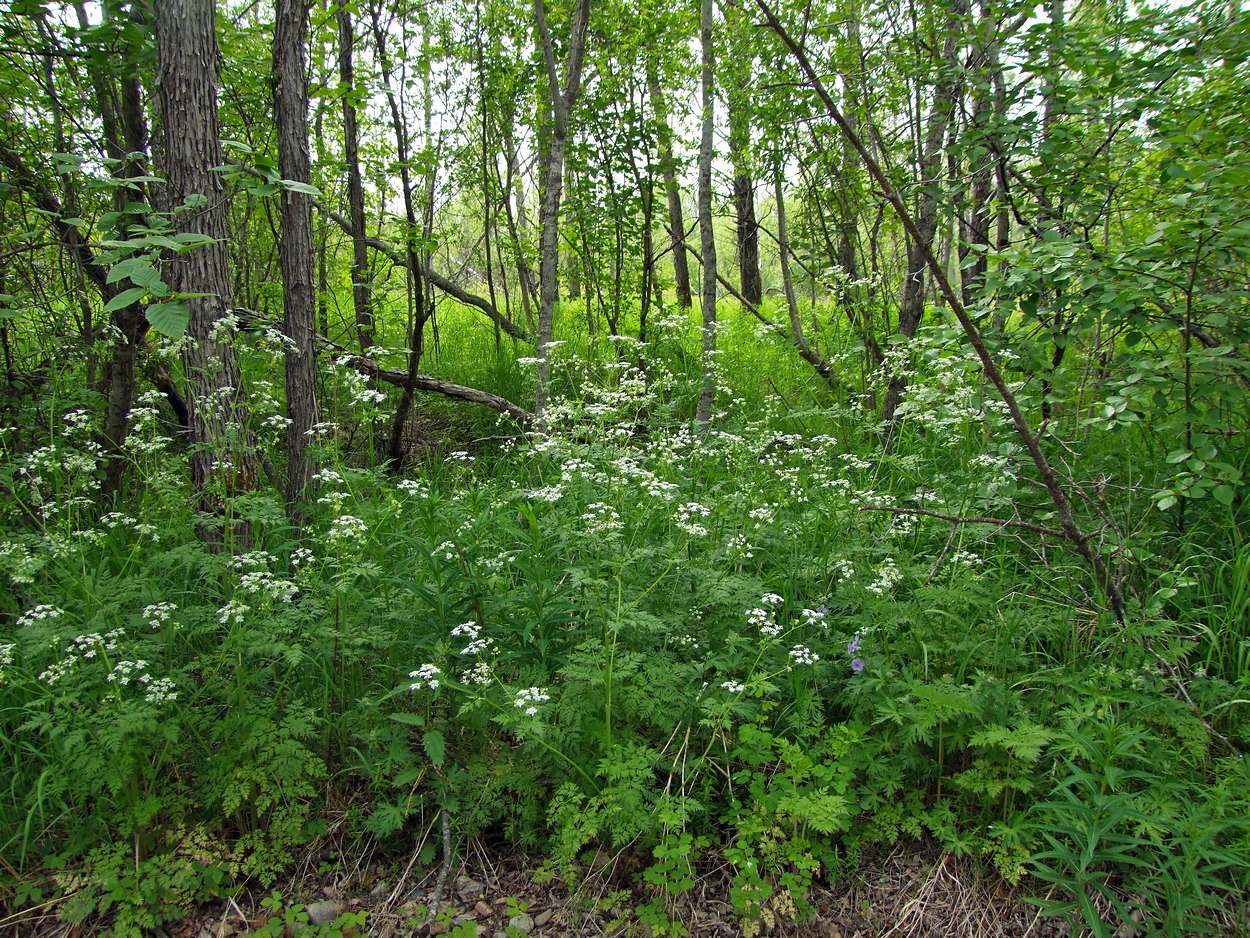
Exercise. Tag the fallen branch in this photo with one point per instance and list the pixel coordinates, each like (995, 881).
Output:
(975, 519)
(437, 386)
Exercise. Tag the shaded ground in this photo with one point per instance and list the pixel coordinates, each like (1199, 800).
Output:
(901, 895)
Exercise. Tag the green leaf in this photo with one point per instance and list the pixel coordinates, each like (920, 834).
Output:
(1224, 494)
(126, 298)
(409, 719)
(192, 239)
(170, 318)
(435, 746)
(304, 187)
(123, 269)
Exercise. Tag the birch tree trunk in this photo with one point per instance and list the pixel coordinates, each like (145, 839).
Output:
(561, 100)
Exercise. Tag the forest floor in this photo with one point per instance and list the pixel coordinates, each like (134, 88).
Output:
(902, 894)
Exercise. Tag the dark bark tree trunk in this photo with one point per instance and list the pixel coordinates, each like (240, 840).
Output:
(122, 119)
(290, 89)
(668, 169)
(739, 68)
(929, 169)
(416, 256)
(223, 457)
(707, 234)
(560, 99)
(362, 300)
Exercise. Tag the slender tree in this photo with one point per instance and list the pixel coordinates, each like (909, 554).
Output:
(560, 97)
(707, 233)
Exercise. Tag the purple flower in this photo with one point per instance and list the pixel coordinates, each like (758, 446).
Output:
(853, 646)
(857, 664)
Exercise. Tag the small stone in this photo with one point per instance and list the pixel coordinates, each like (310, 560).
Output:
(468, 890)
(380, 889)
(522, 922)
(322, 913)
(463, 917)
(542, 918)
(482, 909)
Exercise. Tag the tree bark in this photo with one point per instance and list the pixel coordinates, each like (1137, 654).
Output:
(668, 169)
(560, 99)
(929, 169)
(362, 301)
(290, 89)
(223, 458)
(707, 234)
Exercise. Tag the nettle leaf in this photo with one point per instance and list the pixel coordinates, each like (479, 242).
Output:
(169, 318)
(435, 746)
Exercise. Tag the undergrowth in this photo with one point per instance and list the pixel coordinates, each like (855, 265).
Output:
(621, 635)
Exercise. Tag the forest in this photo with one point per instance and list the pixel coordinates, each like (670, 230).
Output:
(624, 467)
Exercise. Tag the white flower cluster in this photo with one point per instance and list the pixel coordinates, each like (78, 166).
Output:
(801, 654)
(123, 670)
(471, 631)
(734, 687)
(815, 618)
(687, 518)
(324, 429)
(548, 493)
(425, 676)
(842, 570)
(479, 674)
(347, 528)
(83, 648)
(764, 514)
(232, 613)
(252, 560)
(19, 562)
(301, 557)
(738, 544)
(413, 488)
(888, 577)
(529, 699)
(156, 690)
(40, 613)
(602, 519)
(157, 614)
(265, 583)
(762, 619)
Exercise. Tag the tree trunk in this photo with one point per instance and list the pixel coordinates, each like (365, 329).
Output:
(668, 169)
(415, 254)
(290, 89)
(920, 243)
(561, 99)
(707, 234)
(362, 300)
(223, 459)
